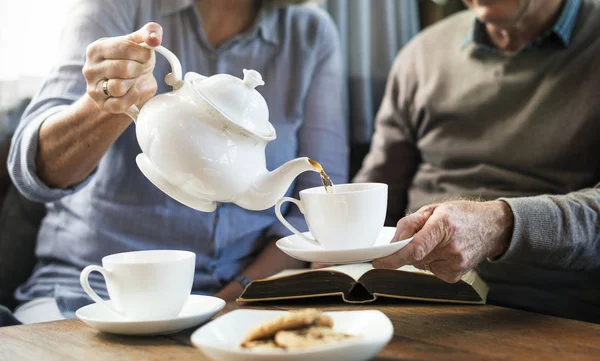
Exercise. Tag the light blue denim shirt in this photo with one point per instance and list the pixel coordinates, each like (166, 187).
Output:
(296, 49)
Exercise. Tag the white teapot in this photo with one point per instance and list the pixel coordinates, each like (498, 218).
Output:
(204, 142)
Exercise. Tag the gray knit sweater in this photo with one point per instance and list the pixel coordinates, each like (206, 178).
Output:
(462, 121)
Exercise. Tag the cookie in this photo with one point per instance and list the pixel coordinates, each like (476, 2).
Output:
(289, 321)
(268, 344)
(324, 321)
(308, 337)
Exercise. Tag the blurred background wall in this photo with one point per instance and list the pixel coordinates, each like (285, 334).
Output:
(29, 43)
(372, 32)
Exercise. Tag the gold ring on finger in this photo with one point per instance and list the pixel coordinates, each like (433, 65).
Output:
(105, 88)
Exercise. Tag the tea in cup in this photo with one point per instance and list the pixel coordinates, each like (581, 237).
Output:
(145, 285)
(348, 218)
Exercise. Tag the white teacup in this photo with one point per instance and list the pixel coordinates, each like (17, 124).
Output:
(349, 218)
(145, 285)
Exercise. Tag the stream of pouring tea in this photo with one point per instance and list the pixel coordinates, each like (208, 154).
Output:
(327, 183)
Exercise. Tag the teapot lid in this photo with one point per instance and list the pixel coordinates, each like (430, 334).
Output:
(238, 101)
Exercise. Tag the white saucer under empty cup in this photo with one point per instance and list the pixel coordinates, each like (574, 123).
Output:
(197, 310)
(145, 285)
(351, 217)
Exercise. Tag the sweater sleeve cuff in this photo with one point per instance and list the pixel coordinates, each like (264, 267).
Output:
(531, 215)
(27, 180)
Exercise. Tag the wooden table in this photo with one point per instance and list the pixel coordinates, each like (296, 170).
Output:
(422, 332)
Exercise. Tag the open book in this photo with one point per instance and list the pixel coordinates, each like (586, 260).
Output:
(360, 283)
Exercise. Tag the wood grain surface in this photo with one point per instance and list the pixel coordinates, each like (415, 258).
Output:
(422, 332)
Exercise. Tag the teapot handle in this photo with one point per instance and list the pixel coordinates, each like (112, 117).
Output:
(174, 78)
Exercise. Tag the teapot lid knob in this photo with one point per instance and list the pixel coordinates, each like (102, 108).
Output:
(252, 79)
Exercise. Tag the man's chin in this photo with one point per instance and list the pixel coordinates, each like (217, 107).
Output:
(489, 15)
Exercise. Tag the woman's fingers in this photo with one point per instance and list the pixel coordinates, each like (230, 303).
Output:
(109, 69)
(121, 69)
(119, 87)
(119, 48)
(151, 34)
(118, 70)
(127, 46)
(120, 105)
(119, 77)
(147, 87)
(139, 93)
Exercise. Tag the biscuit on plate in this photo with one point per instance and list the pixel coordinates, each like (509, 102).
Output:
(265, 344)
(308, 337)
(289, 321)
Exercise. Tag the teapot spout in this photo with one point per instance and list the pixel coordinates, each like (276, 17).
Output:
(269, 187)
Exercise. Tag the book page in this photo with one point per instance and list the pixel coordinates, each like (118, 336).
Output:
(356, 271)
(413, 269)
(381, 283)
(353, 270)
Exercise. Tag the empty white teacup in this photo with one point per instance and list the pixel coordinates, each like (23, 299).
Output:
(145, 285)
(349, 218)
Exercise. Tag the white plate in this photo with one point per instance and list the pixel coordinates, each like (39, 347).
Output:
(298, 248)
(197, 309)
(220, 338)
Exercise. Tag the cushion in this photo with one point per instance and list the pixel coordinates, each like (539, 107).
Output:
(19, 223)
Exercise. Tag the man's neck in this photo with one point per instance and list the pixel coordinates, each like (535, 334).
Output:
(223, 19)
(530, 25)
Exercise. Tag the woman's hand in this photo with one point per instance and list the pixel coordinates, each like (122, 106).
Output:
(126, 66)
(230, 292)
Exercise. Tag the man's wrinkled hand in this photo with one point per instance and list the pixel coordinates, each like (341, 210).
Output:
(452, 238)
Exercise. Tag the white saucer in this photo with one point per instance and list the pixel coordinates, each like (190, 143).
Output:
(196, 310)
(220, 339)
(300, 249)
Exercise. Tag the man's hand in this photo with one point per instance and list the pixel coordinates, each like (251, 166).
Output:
(452, 238)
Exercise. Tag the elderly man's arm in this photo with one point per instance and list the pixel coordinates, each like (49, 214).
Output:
(546, 231)
(71, 123)
(556, 231)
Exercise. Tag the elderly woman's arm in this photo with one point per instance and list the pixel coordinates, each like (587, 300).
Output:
(71, 123)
